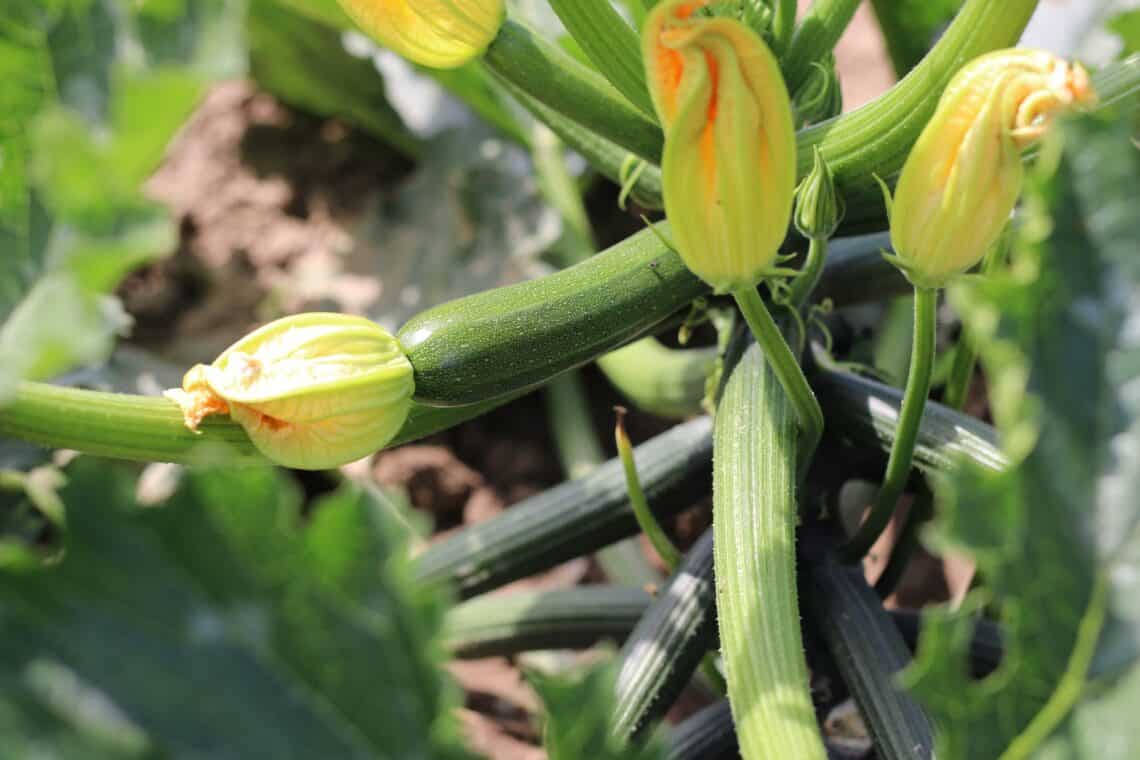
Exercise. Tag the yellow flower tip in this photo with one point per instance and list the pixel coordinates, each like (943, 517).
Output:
(729, 163)
(962, 179)
(196, 399)
(312, 391)
(441, 34)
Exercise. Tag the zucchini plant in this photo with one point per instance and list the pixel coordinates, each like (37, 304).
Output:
(1004, 183)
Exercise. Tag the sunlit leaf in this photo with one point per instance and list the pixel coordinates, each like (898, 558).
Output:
(1055, 535)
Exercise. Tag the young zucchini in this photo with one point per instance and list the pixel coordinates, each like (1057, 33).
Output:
(754, 519)
(509, 339)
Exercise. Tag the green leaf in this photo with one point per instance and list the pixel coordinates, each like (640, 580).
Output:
(1056, 535)
(221, 626)
(1126, 25)
(579, 709)
(911, 27)
(94, 90)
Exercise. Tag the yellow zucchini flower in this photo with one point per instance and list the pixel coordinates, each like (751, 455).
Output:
(729, 164)
(440, 34)
(962, 179)
(312, 391)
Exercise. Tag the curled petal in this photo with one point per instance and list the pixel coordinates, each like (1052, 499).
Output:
(442, 34)
(728, 167)
(961, 180)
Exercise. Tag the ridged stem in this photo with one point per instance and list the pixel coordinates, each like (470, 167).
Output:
(610, 44)
(878, 136)
(151, 428)
(754, 519)
(783, 24)
(902, 450)
(818, 31)
(786, 368)
(547, 73)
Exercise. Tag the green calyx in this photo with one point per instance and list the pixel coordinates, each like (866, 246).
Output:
(820, 97)
(819, 205)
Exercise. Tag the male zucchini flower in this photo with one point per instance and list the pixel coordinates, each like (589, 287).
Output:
(729, 164)
(961, 180)
(441, 34)
(313, 391)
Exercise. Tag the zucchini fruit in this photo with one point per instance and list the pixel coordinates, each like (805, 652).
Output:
(668, 644)
(575, 518)
(509, 339)
(754, 520)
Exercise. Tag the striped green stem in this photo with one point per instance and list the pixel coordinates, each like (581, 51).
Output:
(754, 519)
(610, 44)
(544, 71)
(787, 369)
(902, 451)
(877, 137)
(818, 31)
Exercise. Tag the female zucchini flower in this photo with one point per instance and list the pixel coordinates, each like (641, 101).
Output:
(961, 180)
(313, 391)
(441, 34)
(729, 165)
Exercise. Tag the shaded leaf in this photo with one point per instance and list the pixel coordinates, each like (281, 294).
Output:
(1059, 337)
(579, 711)
(911, 28)
(1126, 25)
(218, 626)
(98, 89)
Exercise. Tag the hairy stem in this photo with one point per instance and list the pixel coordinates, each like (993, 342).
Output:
(787, 369)
(902, 451)
(754, 519)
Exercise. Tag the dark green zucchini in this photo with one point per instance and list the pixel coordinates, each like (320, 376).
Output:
(868, 651)
(501, 625)
(575, 518)
(505, 340)
(668, 644)
(706, 735)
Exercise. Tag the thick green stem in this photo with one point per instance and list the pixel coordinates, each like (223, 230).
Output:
(151, 429)
(818, 31)
(808, 277)
(783, 24)
(610, 44)
(553, 77)
(754, 519)
(878, 136)
(787, 369)
(902, 451)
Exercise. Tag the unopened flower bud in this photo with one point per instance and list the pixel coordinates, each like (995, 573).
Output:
(820, 97)
(819, 206)
(441, 34)
(312, 391)
(729, 164)
(962, 179)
